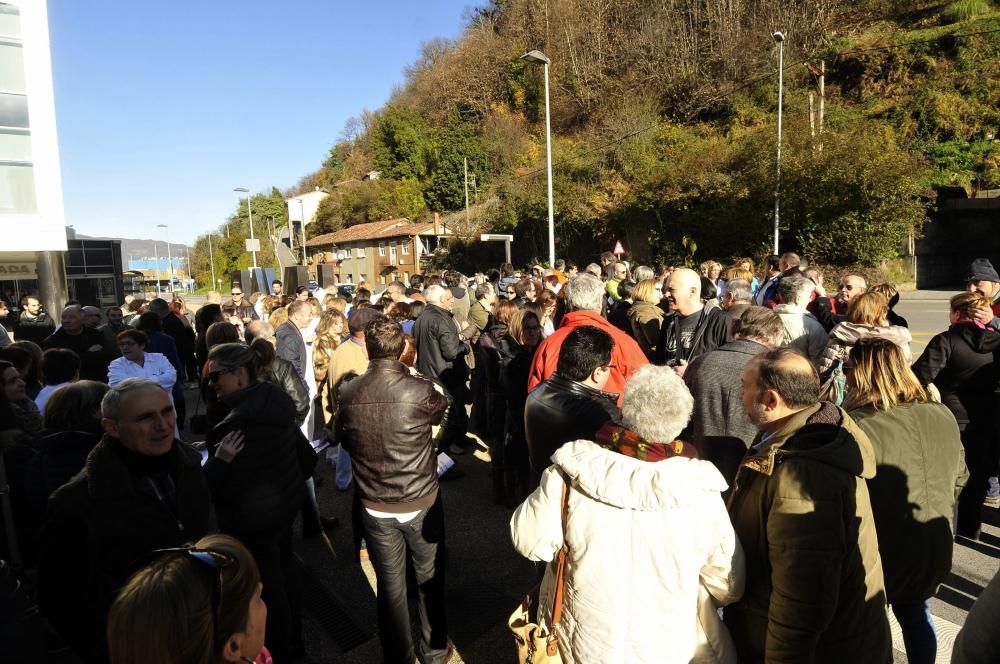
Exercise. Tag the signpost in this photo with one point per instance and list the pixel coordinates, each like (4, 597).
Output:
(619, 249)
(253, 245)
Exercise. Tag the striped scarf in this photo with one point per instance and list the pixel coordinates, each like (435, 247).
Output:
(619, 439)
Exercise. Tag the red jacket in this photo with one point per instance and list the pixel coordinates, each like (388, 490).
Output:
(626, 356)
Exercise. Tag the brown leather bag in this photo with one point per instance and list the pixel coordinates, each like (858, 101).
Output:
(534, 644)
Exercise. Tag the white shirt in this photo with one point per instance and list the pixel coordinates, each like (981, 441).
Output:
(44, 394)
(155, 367)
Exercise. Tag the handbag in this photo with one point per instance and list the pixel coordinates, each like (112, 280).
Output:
(534, 644)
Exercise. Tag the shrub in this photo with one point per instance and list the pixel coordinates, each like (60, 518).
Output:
(963, 10)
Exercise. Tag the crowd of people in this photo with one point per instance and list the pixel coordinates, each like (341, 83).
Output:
(733, 464)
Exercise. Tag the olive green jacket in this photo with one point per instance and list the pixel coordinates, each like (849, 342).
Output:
(920, 472)
(800, 507)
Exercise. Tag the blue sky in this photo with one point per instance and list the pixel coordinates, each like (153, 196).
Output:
(163, 108)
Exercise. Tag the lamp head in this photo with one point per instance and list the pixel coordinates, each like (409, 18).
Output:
(778, 37)
(536, 57)
(243, 190)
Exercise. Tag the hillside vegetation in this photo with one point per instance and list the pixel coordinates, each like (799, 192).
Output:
(664, 126)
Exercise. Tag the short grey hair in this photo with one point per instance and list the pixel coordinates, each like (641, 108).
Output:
(657, 404)
(111, 403)
(738, 290)
(594, 269)
(794, 289)
(433, 294)
(585, 292)
(644, 272)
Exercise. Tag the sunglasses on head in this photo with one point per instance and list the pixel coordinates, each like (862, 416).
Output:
(215, 560)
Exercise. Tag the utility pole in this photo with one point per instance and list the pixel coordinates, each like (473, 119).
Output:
(465, 163)
(822, 97)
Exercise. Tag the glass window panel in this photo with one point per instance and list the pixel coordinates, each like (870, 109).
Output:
(17, 189)
(15, 146)
(12, 68)
(13, 111)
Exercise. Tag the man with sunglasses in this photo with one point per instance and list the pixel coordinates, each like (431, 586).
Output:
(829, 312)
(141, 490)
(244, 310)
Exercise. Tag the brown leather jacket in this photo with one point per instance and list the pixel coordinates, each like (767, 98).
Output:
(384, 421)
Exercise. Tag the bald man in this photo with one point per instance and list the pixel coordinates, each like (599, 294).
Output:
(831, 311)
(800, 507)
(90, 344)
(689, 329)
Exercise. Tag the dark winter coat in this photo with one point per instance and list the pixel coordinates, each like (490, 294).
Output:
(283, 374)
(101, 528)
(440, 350)
(263, 488)
(93, 363)
(34, 329)
(920, 470)
(721, 430)
(963, 375)
(291, 346)
(800, 507)
(384, 421)
(560, 410)
(515, 365)
(712, 332)
(58, 457)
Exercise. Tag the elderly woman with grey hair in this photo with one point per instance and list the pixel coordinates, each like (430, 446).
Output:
(650, 551)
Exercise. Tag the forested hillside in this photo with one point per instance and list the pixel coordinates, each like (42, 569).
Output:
(664, 126)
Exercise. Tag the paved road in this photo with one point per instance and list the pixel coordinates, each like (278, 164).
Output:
(486, 577)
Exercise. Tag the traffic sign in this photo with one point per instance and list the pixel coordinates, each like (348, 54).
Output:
(253, 245)
(619, 249)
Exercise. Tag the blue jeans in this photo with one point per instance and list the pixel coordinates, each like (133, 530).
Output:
(918, 632)
(345, 473)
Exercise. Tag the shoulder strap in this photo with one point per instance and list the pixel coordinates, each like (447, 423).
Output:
(699, 332)
(560, 580)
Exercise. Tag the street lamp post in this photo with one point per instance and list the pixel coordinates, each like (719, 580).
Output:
(780, 40)
(539, 58)
(211, 258)
(156, 255)
(170, 260)
(302, 222)
(249, 214)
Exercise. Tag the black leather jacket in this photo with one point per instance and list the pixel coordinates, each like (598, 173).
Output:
(283, 374)
(384, 421)
(439, 348)
(560, 410)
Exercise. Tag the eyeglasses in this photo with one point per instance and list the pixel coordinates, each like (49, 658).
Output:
(236, 293)
(214, 559)
(214, 376)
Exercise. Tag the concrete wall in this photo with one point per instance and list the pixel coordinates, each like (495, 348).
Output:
(961, 231)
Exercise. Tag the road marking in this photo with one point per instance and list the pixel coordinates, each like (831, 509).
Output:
(946, 632)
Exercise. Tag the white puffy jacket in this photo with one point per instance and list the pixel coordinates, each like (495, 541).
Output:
(652, 554)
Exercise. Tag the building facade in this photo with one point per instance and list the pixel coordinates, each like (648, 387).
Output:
(378, 252)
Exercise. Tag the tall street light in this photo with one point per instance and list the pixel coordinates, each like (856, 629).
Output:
(780, 40)
(211, 258)
(539, 58)
(170, 260)
(246, 191)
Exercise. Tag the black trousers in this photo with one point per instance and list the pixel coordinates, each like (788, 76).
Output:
(390, 545)
(980, 457)
(282, 592)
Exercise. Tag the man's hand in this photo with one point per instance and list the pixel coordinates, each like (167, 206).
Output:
(95, 348)
(819, 290)
(681, 368)
(983, 315)
(230, 445)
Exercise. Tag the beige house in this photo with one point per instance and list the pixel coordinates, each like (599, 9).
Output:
(377, 252)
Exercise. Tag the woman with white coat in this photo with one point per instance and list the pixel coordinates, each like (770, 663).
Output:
(651, 552)
(135, 362)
